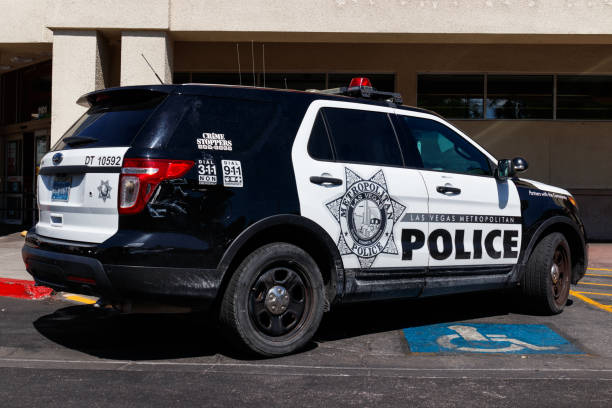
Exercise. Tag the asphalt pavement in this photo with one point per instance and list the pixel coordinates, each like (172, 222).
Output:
(57, 352)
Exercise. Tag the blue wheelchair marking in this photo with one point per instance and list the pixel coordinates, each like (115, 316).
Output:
(487, 338)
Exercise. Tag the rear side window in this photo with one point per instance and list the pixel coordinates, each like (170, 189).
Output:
(443, 149)
(319, 146)
(224, 125)
(113, 122)
(363, 137)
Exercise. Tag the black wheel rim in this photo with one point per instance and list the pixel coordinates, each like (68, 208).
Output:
(278, 300)
(559, 274)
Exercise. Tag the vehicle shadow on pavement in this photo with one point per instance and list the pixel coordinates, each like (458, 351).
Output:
(107, 334)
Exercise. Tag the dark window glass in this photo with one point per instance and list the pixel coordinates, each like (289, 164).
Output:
(443, 149)
(412, 157)
(112, 124)
(520, 97)
(247, 124)
(181, 78)
(452, 96)
(318, 144)
(231, 78)
(363, 137)
(584, 97)
(300, 82)
(381, 82)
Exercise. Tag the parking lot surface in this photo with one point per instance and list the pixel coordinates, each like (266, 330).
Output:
(482, 349)
(60, 353)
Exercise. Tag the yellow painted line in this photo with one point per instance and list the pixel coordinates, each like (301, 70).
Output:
(593, 293)
(592, 302)
(596, 284)
(599, 269)
(595, 274)
(80, 299)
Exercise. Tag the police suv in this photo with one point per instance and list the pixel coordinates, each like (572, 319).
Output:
(270, 206)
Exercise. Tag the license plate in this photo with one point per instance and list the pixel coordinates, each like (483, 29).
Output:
(61, 188)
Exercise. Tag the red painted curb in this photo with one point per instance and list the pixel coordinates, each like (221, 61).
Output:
(23, 289)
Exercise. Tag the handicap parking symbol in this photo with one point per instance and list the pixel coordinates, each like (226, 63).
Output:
(487, 338)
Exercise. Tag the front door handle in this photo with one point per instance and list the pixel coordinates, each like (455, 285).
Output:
(448, 190)
(326, 181)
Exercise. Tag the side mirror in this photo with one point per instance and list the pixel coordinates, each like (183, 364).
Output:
(503, 170)
(507, 168)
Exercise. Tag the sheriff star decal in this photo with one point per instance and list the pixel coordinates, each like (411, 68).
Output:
(104, 190)
(366, 214)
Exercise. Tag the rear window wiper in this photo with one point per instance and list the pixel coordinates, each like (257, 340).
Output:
(77, 140)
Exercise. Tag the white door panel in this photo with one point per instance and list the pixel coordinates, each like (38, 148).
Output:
(89, 211)
(473, 220)
(363, 214)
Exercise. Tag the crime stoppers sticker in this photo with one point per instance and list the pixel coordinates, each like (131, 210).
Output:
(232, 173)
(207, 172)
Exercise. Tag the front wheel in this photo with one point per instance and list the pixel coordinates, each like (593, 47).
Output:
(274, 301)
(546, 281)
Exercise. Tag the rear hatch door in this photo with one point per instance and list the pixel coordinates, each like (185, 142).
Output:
(78, 182)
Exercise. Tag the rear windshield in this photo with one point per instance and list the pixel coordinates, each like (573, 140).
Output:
(110, 123)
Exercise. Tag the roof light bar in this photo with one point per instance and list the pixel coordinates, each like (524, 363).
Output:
(362, 88)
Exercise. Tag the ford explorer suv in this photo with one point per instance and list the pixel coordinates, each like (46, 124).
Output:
(268, 207)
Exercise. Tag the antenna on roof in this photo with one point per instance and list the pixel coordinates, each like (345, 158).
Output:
(263, 62)
(158, 78)
(239, 73)
(253, 61)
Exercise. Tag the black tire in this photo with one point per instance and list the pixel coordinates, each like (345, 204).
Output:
(253, 292)
(547, 288)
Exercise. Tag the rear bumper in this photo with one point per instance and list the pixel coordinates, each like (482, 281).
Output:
(197, 288)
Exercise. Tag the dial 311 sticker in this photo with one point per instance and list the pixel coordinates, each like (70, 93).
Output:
(207, 172)
(232, 173)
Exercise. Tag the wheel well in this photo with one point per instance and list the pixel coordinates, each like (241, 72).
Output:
(577, 248)
(299, 236)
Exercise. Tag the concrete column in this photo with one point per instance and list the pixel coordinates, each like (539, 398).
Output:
(156, 46)
(78, 68)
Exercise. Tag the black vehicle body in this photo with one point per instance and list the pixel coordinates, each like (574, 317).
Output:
(183, 247)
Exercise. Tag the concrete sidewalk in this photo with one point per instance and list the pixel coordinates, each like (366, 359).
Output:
(11, 264)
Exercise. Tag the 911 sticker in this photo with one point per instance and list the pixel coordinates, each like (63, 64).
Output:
(207, 172)
(232, 173)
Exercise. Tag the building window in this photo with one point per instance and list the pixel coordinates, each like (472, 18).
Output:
(25, 94)
(452, 96)
(299, 81)
(519, 97)
(575, 97)
(584, 97)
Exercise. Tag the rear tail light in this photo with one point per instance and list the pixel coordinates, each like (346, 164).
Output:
(140, 178)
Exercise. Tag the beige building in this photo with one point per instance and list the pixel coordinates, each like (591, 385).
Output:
(522, 77)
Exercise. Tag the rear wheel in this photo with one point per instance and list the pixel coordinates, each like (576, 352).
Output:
(274, 301)
(547, 278)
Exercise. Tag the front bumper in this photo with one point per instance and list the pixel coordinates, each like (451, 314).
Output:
(53, 267)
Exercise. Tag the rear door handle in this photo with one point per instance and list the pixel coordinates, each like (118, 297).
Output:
(326, 181)
(448, 190)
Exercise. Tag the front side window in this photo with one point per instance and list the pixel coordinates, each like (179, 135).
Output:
(363, 137)
(442, 149)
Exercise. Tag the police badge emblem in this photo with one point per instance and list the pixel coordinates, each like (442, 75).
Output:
(104, 190)
(366, 214)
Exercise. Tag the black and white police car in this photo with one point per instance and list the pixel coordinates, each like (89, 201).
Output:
(270, 206)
